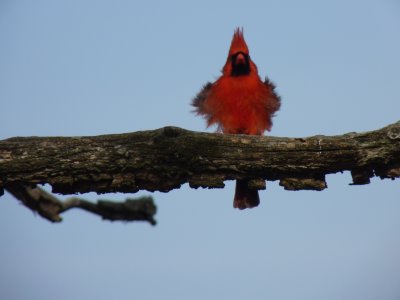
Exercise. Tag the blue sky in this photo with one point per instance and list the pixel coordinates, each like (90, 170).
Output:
(95, 67)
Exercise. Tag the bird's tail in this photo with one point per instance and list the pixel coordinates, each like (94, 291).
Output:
(244, 196)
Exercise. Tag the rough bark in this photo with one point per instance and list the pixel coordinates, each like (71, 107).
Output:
(164, 159)
(50, 208)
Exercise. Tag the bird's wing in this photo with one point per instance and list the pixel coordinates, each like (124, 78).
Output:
(274, 102)
(199, 100)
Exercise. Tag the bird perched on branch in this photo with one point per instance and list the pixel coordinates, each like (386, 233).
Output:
(239, 102)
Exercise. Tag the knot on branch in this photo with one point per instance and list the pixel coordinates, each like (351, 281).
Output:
(394, 133)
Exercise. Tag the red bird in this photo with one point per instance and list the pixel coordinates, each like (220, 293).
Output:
(239, 102)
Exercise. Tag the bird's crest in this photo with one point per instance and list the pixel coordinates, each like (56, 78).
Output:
(238, 43)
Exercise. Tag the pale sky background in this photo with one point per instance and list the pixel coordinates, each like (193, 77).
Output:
(95, 67)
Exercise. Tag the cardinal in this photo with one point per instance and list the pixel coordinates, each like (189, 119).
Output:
(239, 102)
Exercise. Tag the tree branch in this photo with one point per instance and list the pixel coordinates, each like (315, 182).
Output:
(49, 207)
(164, 159)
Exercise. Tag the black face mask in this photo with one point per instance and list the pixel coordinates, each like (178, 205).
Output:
(239, 69)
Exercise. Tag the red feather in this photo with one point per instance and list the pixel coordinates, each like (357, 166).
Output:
(239, 102)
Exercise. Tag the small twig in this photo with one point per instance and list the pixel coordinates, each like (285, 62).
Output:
(49, 207)
(139, 209)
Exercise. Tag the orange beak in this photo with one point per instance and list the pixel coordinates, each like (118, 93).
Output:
(240, 59)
